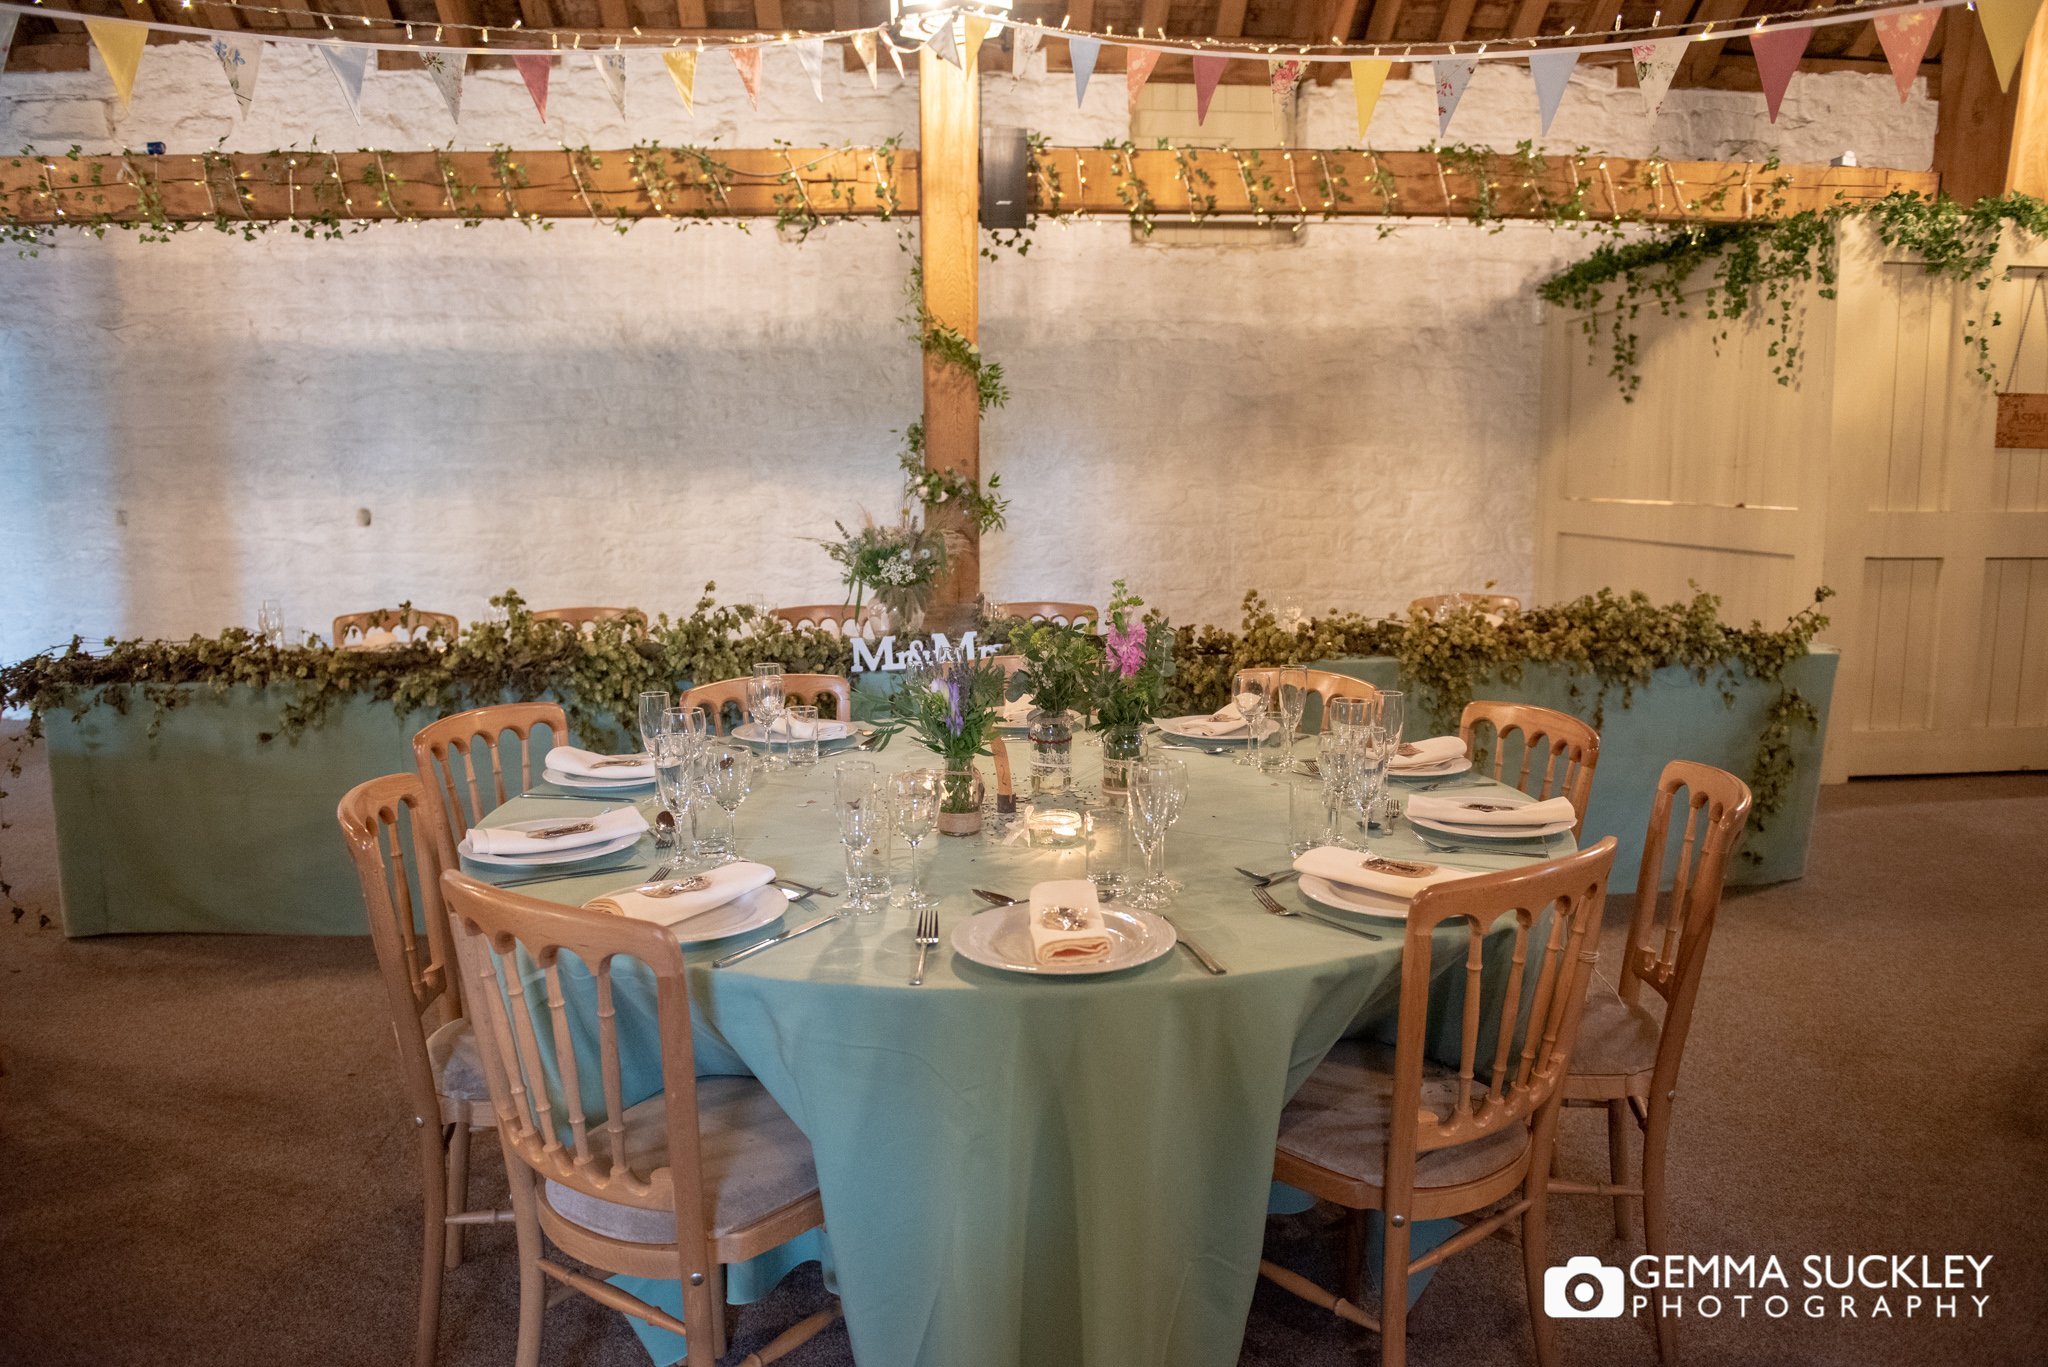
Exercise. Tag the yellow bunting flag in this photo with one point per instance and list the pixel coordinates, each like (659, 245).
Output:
(2006, 23)
(1367, 80)
(121, 43)
(682, 69)
(977, 29)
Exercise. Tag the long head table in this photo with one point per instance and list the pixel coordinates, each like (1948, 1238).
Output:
(1016, 1170)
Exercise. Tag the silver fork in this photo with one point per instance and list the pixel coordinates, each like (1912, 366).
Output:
(927, 936)
(1266, 900)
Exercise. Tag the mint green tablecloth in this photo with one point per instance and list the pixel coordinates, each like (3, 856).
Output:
(1020, 1171)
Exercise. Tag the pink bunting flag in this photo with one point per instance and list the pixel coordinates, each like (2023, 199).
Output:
(1905, 38)
(1778, 51)
(1208, 71)
(748, 61)
(533, 69)
(1138, 64)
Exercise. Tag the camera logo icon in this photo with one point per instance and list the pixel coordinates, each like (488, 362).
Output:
(1583, 1289)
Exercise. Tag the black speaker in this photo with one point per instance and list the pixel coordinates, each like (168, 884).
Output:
(1005, 178)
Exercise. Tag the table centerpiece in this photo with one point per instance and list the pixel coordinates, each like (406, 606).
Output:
(1130, 683)
(953, 705)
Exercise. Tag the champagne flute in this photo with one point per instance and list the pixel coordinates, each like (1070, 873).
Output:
(1249, 696)
(1393, 710)
(1152, 811)
(654, 710)
(765, 701)
(729, 777)
(864, 835)
(270, 621)
(1335, 764)
(914, 801)
(678, 791)
(1293, 692)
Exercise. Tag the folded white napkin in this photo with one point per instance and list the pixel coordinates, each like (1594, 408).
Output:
(1017, 711)
(375, 639)
(786, 727)
(567, 759)
(1490, 811)
(1234, 709)
(612, 825)
(726, 883)
(1083, 942)
(1355, 868)
(1428, 753)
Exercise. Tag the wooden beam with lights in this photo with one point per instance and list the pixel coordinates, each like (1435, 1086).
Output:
(1989, 141)
(949, 244)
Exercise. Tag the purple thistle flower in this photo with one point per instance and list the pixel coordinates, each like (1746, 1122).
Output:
(1127, 648)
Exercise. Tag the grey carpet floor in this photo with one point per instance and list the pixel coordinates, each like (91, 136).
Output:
(204, 1159)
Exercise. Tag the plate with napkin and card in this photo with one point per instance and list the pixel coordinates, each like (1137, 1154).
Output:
(1225, 723)
(1063, 931)
(1368, 884)
(728, 900)
(1434, 757)
(1015, 715)
(830, 734)
(568, 767)
(551, 840)
(1498, 815)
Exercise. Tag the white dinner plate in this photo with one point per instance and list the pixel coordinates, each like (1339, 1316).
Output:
(1344, 897)
(748, 911)
(1470, 832)
(1459, 765)
(595, 785)
(1179, 729)
(574, 854)
(1074, 720)
(751, 733)
(1001, 939)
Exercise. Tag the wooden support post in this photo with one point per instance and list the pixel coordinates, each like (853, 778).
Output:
(949, 200)
(1988, 141)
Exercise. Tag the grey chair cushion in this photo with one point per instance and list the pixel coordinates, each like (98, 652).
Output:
(1338, 1121)
(1616, 1039)
(756, 1161)
(458, 1072)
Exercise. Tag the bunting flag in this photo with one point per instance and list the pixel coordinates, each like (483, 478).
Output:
(810, 55)
(682, 69)
(8, 20)
(1656, 63)
(1083, 51)
(946, 44)
(1778, 51)
(239, 59)
(864, 44)
(446, 69)
(1552, 71)
(896, 56)
(1023, 47)
(1283, 78)
(975, 26)
(2005, 24)
(1368, 78)
(1208, 71)
(1451, 74)
(533, 69)
(611, 69)
(747, 60)
(120, 46)
(348, 65)
(1905, 37)
(1138, 64)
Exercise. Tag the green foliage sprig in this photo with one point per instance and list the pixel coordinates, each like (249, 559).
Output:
(977, 503)
(1060, 664)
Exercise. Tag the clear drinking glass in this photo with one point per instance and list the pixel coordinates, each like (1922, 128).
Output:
(654, 710)
(1308, 815)
(677, 786)
(802, 719)
(1336, 763)
(914, 802)
(1108, 828)
(693, 722)
(1249, 694)
(270, 621)
(864, 835)
(1292, 701)
(729, 777)
(1393, 716)
(1153, 807)
(765, 701)
(1293, 613)
(1373, 748)
(1176, 798)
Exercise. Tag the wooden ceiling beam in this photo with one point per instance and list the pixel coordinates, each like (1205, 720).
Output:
(1457, 20)
(1152, 16)
(1230, 18)
(1601, 17)
(690, 14)
(768, 16)
(1379, 25)
(1528, 20)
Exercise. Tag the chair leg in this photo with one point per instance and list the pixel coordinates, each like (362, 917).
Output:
(1394, 1294)
(1535, 1255)
(716, 1279)
(1656, 1229)
(1354, 1256)
(1619, 1123)
(532, 1288)
(458, 1188)
(435, 1202)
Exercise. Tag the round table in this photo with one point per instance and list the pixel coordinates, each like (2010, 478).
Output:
(1020, 1170)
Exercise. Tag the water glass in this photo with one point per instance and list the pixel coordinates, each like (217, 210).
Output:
(270, 621)
(654, 710)
(864, 833)
(802, 720)
(1308, 814)
(693, 722)
(1108, 829)
(677, 785)
(914, 804)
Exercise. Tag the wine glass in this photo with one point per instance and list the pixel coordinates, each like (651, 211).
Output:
(914, 801)
(1176, 798)
(1250, 697)
(765, 701)
(270, 621)
(675, 782)
(1153, 808)
(1293, 701)
(1371, 749)
(654, 710)
(1393, 716)
(1336, 764)
(1293, 615)
(728, 778)
(864, 834)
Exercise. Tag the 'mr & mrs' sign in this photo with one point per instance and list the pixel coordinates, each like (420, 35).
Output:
(883, 656)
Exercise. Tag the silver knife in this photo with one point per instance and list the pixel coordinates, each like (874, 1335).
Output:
(1335, 924)
(1202, 955)
(773, 940)
(995, 899)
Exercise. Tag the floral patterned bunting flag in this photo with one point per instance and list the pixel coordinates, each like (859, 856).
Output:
(1024, 46)
(1778, 51)
(611, 69)
(1905, 37)
(1452, 74)
(1283, 78)
(682, 69)
(864, 44)
(810, 55)
(445, 69)
(1208, 71)
(239, 59)
(534, 68)
(1138, 64)
(747, 61)
(1656, 63)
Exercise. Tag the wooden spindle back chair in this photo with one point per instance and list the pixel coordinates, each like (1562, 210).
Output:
(725, 702)
(463, 761)
(1558, 752)
(585, 618)
(1421, 1141)
(834, 619)
(388, 826)
(1432, 604)
(352, 629)
(627, 1189)
(1630, 1058)
(1065, 614)
(1327, 685)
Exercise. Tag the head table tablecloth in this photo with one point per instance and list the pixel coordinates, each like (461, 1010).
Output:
(1019, 1171)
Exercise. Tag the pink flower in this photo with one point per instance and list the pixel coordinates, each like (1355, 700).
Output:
(1127, 648)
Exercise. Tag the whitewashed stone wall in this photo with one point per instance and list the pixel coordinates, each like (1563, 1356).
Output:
(435, 413)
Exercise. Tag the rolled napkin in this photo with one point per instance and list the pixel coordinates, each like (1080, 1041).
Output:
(567, 759)
(1428, 753)
(1394, 877)
(726, 883)
(1234, 709)
(575, 832)
(786, 727)
(1017, 711)
(1485, 811)
(1066, 923)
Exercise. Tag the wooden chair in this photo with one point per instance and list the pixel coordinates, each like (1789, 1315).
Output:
(715, 698)
(1067, 614)
(582, 618)
(1569, 748)
(352, 629)
(843, 620)
(1326, 684)
(1627, 1060)
(382, 822)
(1435, 603)
(450, 755)
(704, 1173)
(1380, 1129)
